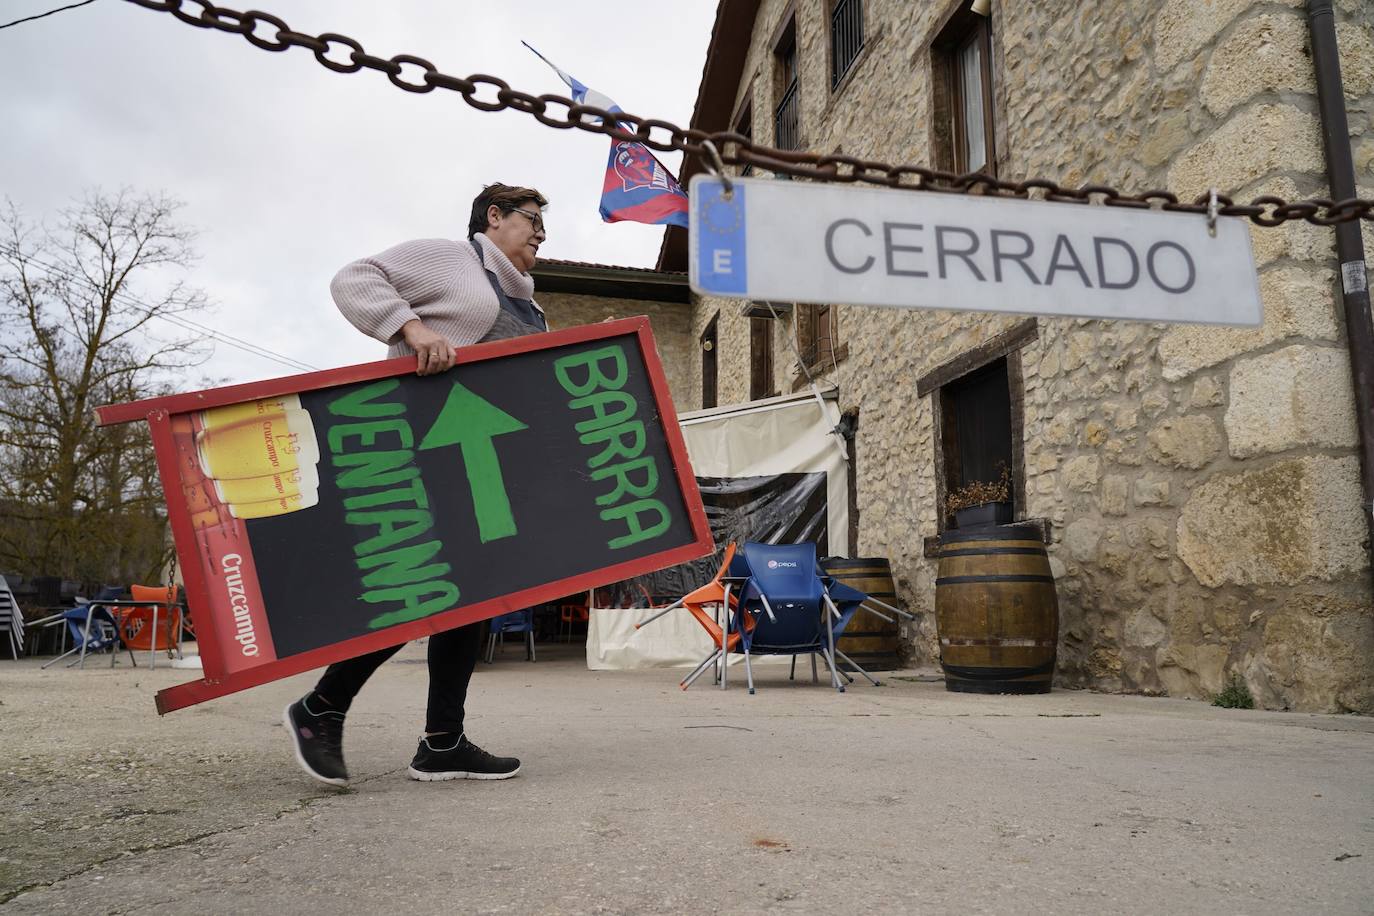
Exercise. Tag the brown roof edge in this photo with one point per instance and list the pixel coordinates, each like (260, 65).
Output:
(611, 282)
(720, 77)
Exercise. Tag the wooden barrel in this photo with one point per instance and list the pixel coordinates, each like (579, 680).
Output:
(870, 641)
(996, 611)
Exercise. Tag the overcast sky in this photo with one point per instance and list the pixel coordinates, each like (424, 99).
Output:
(289, 171)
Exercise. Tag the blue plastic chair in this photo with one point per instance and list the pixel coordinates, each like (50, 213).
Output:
(93, 628)
(788, 607)
(514, 622)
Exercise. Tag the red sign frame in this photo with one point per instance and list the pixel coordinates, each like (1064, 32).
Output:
(218, 680)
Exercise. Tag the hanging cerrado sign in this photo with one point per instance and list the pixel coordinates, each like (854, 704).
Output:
(321, 516)
(794, 241)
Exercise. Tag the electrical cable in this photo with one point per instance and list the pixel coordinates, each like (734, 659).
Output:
(178, 320)
(48, 13)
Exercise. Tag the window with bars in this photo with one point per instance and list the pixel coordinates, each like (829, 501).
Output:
(787, 115)
(744, 126)
(961, 59)
(846, 37)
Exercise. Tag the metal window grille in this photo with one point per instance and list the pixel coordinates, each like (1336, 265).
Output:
(846, 37)
(745, 128)
(787, 120)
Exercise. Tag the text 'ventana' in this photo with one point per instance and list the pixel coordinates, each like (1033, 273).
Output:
(385, 499)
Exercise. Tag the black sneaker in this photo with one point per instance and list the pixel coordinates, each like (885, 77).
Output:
(458, 759)
(317, 738)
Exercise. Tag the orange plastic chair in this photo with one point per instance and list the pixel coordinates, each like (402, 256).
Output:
(137, 624)
(570, 613)
(712, 595)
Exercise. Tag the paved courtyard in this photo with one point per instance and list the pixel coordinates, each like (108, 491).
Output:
(638, 798)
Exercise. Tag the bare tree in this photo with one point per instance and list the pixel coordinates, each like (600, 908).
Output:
(80, 310)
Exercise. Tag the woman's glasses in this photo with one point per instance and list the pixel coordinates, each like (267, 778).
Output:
(535, 219)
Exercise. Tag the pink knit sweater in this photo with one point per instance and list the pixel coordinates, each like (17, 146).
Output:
(438, 281)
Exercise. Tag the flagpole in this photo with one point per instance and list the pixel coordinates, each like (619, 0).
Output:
(541, 56)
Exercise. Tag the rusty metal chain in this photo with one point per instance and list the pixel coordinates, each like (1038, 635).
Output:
(490, 93)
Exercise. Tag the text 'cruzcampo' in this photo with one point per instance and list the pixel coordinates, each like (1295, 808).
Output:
(607, 420)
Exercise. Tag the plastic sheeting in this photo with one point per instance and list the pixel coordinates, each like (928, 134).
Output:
(772, 471)
(781, 435)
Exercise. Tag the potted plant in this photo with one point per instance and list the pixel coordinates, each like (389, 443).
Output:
(982, 502)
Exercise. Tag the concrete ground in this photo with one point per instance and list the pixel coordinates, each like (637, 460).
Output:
(638, 798)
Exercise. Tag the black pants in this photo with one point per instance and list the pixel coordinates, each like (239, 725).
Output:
(452, 656)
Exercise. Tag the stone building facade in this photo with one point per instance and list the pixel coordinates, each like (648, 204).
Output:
(573, 293)
(1200, 484)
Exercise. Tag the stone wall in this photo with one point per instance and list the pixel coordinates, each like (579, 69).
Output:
(670, 322)
(1202, 483)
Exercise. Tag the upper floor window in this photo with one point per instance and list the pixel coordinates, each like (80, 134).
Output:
(818, 344)
(961, 57)
(761, 359)
(787, 115)
(846, 37)
(744, 126)
(710, 341)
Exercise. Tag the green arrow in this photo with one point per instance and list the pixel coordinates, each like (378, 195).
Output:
(472, 423)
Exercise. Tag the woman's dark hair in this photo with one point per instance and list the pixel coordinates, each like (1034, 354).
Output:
(504, 196)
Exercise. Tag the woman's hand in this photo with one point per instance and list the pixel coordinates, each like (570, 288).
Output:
(432, 352)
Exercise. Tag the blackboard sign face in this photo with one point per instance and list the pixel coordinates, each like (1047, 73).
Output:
(359, 508)
(448, 490)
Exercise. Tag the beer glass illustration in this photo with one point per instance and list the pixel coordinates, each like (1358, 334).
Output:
(260, 456)
(204, 506)
(235, 490)
(230, 414)
(280, 506)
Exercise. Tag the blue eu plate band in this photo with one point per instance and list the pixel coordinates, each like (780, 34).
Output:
(722, 256)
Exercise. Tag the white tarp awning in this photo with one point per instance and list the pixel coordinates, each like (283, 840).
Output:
(782, 435)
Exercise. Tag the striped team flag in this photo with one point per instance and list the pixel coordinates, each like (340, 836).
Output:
(636, 186)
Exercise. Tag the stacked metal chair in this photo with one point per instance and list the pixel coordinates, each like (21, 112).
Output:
(11, 619)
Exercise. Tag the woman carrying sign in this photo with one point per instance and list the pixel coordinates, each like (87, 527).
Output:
(427, 297)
